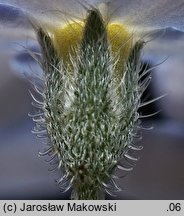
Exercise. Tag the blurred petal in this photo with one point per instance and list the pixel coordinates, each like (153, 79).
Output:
(51, 11)
(12, 16)
(149, 14)
(144, 13)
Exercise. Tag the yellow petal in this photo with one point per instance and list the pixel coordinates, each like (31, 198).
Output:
(68, 38)
(120, 40)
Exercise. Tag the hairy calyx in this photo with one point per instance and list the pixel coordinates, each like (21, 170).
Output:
(89, 117)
